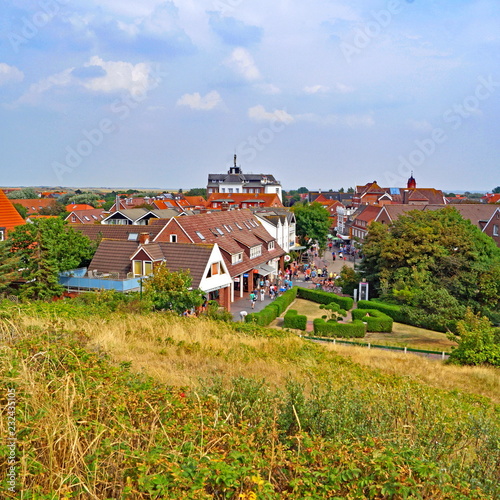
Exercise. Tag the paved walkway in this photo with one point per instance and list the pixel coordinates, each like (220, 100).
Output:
(244, 304)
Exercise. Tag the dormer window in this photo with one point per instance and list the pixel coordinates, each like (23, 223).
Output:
(255, 251)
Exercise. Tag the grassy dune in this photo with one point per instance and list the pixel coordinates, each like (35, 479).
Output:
(132, 405)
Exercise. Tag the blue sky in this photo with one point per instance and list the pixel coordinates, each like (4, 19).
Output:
(323, 94)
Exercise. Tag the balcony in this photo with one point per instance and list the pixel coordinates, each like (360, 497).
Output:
(78, 280)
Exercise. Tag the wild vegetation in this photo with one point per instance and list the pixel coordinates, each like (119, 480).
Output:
(152, 405)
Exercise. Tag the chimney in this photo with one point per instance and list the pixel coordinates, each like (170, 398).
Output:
(144, 238)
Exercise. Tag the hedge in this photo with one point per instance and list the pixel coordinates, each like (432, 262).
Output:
(392, 310)
(375, 320)
(272, 310)
(322, 297)
(356, 329)
(295, 320)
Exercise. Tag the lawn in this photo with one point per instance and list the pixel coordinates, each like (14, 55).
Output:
(401, 336)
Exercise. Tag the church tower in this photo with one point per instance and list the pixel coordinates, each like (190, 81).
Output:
(234, 169)
(412, 183)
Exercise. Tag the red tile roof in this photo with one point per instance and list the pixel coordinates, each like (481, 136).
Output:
(260, 199)
(234, 231)
(9, 216)
(35, 205)
(79, 206)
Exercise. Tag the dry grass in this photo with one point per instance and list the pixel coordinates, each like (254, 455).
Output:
(483, 381)
(181, 351)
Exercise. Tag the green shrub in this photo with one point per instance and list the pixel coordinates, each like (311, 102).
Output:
(376, 320)
(325, 298)
(392, 310)
(272, 310)
(295, 320)
(323, 328)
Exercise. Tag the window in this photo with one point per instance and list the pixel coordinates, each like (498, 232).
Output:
(215, 268)
(229, 190)
(137, 267)
(94, 217)
(2, 234)
(220, 231)
(495, 230)
(173, 238)
(73, 218)
(270, 245)
(237, 190)
(227, 228)
(256, 251)
(148, 268)
(237, 257)
(132, 237)
(86, 218)
(223, 190)
(238, 226)
(199, 235)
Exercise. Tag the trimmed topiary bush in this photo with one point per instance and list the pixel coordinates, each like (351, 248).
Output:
(356, 329)
(392, 310)
(376, 320)
(321, 297)
(295, 320)
(272, 310)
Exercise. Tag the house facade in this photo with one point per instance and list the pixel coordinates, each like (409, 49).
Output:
(235, 181)
(281, 224)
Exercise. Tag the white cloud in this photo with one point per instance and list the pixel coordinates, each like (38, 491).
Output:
(196, 101)
(242, 62)
(35, 90)
(119, 76)
(316, 89)
(259, 114)
(344, 89)
(351, 121)
(10, 74)
(268, 88)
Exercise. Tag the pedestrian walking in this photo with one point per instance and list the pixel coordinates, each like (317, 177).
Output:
(262, 294)
(253, 298)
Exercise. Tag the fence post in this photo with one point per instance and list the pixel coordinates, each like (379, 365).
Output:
(406, 350)
(442, 356)
(369, 345)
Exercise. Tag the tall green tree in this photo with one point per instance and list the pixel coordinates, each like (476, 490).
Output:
(496, 190)
(172, 291)
(9, 266)
(433, 250)
(85, 198)
(313, 223)
(45, 248)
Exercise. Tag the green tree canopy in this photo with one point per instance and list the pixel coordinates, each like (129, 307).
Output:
(313, 223)
(9, 265)
(496, 190)
(172, 291)
(21, 209)
(85, 198)
(432, 250)
(197, 192)
(23, 194)
(302, 190)
(45, 248)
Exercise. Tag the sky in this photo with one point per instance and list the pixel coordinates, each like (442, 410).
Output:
(323, 94)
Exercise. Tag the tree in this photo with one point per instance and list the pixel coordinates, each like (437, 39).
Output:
(197, 192)
(23, 194)
(350, 190)
(425, 251)
(313, 224)
(85, 198)
(348, 280)
(476, 342)
(496, 190)
(172, 290)
(9, 266)
(21, 209)
(45, 248)
(302, 190)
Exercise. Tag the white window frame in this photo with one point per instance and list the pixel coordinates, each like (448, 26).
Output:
(173, 238)
(255, 251)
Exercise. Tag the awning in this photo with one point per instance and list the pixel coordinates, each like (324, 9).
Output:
(295, 249)
(341, 236)
(264, 269)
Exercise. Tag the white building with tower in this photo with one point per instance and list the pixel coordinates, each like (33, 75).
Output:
(235, 181)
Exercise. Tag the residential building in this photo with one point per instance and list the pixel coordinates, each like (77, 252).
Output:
(138, 216)
(250, 252)
(87, 216)
(281, 224)
(33, 206)
(235, 181)
(9, 216)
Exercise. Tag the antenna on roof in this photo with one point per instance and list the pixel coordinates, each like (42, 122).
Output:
(235, 156)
